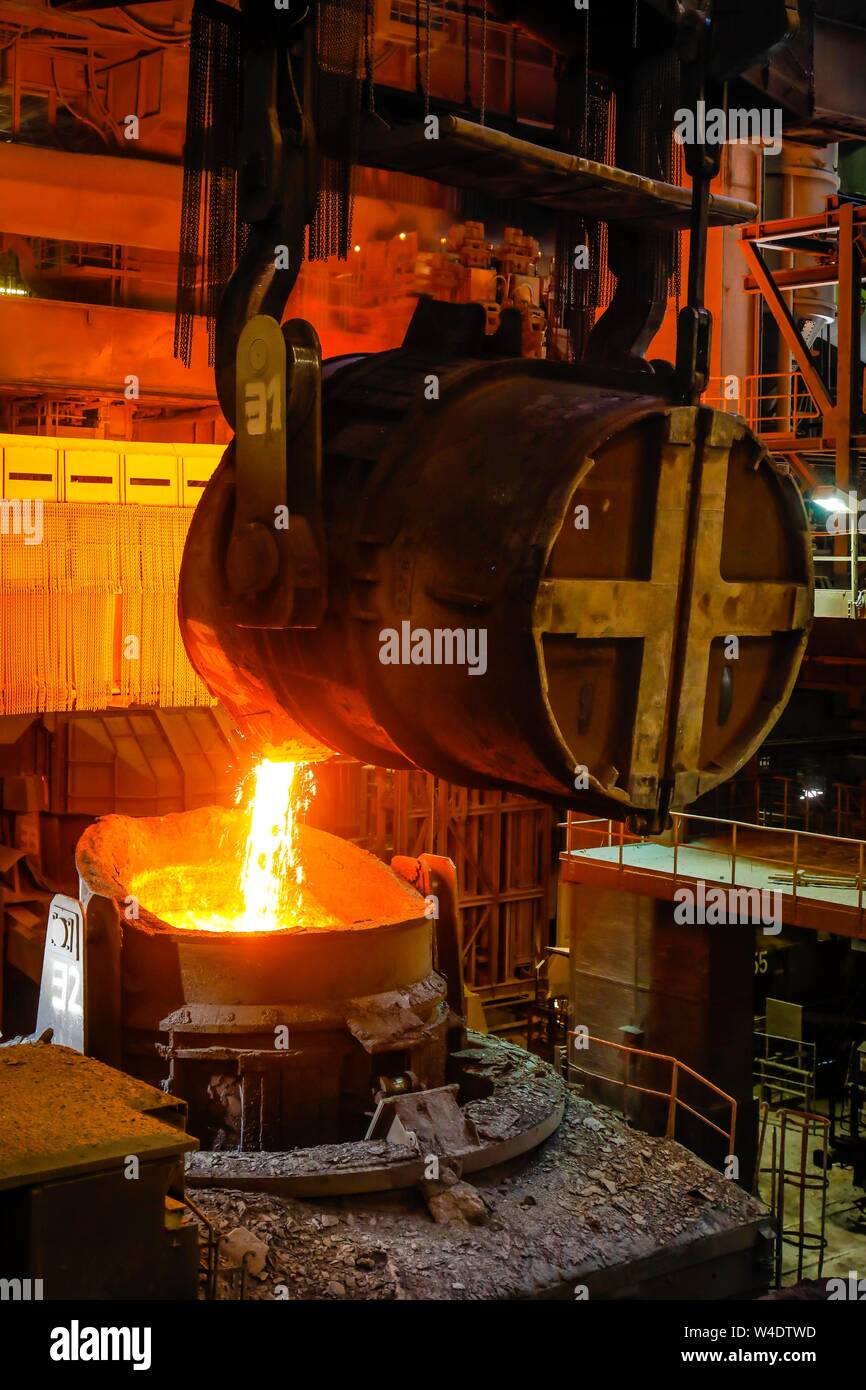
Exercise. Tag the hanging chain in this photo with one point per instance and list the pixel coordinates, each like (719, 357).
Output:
(634, 30)
(584, 128)
(467, 80)
(418, 83)
(427, 73)
(369, 32)
(483, 60)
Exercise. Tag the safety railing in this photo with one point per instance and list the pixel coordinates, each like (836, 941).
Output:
(810, 863)
(772, 403)
(208, 1249)
(778, 403)
(784, 1069)
(724, 393)
(672, 1096)
(787, 802)
(808, 1135)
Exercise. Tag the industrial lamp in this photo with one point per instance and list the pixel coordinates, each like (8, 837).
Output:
(830, 499)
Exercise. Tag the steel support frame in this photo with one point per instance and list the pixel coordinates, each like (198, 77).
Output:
(501, 870)
(840, 409)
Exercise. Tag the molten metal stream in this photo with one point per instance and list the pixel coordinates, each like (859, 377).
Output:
(272, 877)
(252, 886)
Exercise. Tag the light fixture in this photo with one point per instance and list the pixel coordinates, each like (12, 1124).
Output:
(356, 248)
(830, 499)
(402, 236)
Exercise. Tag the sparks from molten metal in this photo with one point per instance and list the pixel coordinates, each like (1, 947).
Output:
(254, 880)
(272, 876)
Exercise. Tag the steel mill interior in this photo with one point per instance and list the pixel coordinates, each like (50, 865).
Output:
(432, 654)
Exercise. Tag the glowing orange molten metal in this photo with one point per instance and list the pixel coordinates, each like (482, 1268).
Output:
(254, 880)
(272, 877)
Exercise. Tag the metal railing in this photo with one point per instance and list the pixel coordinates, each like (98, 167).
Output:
(724, 393)
(805, 1178)
(778, 403)
(784, 1069)
(794, 870)
(208, 1249)
(779, 801)
(672, 1096)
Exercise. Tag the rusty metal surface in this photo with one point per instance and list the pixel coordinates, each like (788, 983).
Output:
(605, 644)
(64, 1114)
(467, 155)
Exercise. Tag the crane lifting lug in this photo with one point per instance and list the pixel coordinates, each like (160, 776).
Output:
(275, 559)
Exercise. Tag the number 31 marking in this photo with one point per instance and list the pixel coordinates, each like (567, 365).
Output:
(259, 396)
